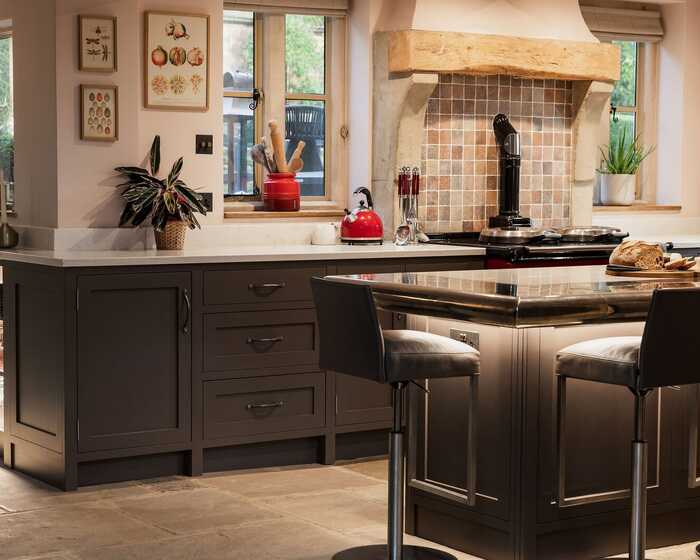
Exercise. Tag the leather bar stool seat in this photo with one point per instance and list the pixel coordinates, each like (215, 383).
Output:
(613, 360)
(411, 355)
(664, 356)
(353, 343)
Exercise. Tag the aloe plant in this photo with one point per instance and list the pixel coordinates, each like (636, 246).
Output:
(621, 157)
(148, 196)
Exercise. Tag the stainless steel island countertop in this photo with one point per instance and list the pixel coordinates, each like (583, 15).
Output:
(528, 297)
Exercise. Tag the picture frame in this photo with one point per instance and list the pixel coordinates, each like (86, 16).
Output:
(99, 113)
(177, 47)
(97, 43)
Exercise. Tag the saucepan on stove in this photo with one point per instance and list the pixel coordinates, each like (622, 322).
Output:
(519, 235)
(591, 234)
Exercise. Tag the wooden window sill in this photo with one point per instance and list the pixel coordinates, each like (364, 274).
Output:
(303, 213)
(639, 207)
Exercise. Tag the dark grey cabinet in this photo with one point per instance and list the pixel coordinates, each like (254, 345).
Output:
(133, 360)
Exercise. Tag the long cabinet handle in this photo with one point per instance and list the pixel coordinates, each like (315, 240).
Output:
(271, 286)
(252, 406)
(274, 339)
(188, 311)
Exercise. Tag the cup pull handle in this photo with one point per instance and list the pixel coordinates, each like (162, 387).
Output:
(274, 339)
(270, 286)
(188, 311)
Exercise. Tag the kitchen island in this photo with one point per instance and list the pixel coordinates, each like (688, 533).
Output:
(137, 364)
(535, 499)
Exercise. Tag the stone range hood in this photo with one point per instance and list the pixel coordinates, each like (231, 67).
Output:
(538, 39)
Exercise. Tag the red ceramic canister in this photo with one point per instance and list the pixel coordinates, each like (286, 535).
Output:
(281, 193)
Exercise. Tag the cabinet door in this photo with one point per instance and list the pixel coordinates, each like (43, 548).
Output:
(357, 400)
(133, 360)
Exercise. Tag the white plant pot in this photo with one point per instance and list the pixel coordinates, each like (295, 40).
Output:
(617, 190)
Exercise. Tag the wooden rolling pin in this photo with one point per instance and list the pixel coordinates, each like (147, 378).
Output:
(278, 146)
(295, 163)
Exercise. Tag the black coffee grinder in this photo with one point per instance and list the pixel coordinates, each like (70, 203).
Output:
(509, 180)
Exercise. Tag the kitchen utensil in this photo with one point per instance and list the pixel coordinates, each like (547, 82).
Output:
(9, 237)
(281, 193)
(269, 156)
(296, 164)
(278, 146)
(257, 152)
(362, 224)
(325, 234)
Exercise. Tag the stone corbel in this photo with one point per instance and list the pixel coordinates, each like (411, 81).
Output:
(591, 102)
(399, 107)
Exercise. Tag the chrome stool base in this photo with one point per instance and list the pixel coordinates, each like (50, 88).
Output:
(381, 552)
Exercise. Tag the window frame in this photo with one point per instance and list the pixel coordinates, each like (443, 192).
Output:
(270, 79)
(7, 33)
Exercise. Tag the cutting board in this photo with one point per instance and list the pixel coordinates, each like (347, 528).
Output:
(669, 275)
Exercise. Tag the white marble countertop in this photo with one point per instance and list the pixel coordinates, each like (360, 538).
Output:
(264, 253)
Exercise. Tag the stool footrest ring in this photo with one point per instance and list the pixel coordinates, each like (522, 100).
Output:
(381, 552)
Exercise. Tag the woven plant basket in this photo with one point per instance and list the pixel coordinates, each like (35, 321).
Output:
(172, 238)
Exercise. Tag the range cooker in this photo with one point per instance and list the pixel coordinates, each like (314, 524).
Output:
(541, 252)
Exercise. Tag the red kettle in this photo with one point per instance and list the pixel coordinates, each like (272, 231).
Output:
(362, 224)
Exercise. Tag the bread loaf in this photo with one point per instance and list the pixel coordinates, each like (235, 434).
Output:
(647, 256)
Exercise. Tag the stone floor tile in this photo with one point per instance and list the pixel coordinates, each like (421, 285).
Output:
(272, 484)
(70, 527)
(290, 539)
(191, 511)
(378, 469)
(204, 546)
(338, 510)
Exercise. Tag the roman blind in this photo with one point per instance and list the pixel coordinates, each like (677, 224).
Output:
(320, 7)
(619, 23)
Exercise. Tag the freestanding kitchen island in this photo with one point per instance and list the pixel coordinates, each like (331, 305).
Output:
(538, 496)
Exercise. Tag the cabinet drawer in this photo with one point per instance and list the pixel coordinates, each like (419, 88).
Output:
(262, 405)
(255, 285)
(249, 340)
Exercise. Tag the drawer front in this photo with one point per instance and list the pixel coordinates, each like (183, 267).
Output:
(256, 285)
(262, 405)
(249, 340)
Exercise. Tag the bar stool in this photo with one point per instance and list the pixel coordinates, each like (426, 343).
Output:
(353, 343)
(642, 364)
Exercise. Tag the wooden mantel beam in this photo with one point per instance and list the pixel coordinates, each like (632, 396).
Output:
(471, 53)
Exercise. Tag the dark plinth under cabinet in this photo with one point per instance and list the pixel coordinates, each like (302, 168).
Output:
(117, 373)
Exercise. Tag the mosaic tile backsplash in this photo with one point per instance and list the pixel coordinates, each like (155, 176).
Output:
(460, 157)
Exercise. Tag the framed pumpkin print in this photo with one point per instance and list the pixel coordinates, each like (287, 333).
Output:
(99, 113)
(177, 61)
(97, 37)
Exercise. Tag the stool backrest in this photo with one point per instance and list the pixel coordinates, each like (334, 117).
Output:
(350, 336)
(671, 341)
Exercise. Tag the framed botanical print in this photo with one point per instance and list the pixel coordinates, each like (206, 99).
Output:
(99, 113)
(177, 61)
(97, 43)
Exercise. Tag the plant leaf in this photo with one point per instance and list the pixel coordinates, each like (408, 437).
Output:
(190, 197)
(126, 215)
(155, 155)
(132, 170)
(175, 172)
(141, 215)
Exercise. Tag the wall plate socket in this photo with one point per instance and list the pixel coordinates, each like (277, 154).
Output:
(204, 144)
(208, 199)
(468, 337)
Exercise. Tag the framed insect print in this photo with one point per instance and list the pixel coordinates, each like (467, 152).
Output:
(177, 61)
(99, 113)
(97, 43)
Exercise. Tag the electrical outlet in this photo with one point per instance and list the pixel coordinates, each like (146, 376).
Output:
(204, 144)
(208, 199)
(468, 337)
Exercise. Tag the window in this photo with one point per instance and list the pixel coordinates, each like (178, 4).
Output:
(7, 129)
(625, 101)
(288, 67)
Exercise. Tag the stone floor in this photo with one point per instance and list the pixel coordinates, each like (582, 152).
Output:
(302, 513)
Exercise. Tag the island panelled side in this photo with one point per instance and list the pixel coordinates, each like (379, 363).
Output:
(117, 373)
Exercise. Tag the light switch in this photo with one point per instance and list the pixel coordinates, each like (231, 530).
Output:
(204, 144)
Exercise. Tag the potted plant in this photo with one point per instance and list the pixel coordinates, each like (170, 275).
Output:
(621, 161)
(169, 203)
